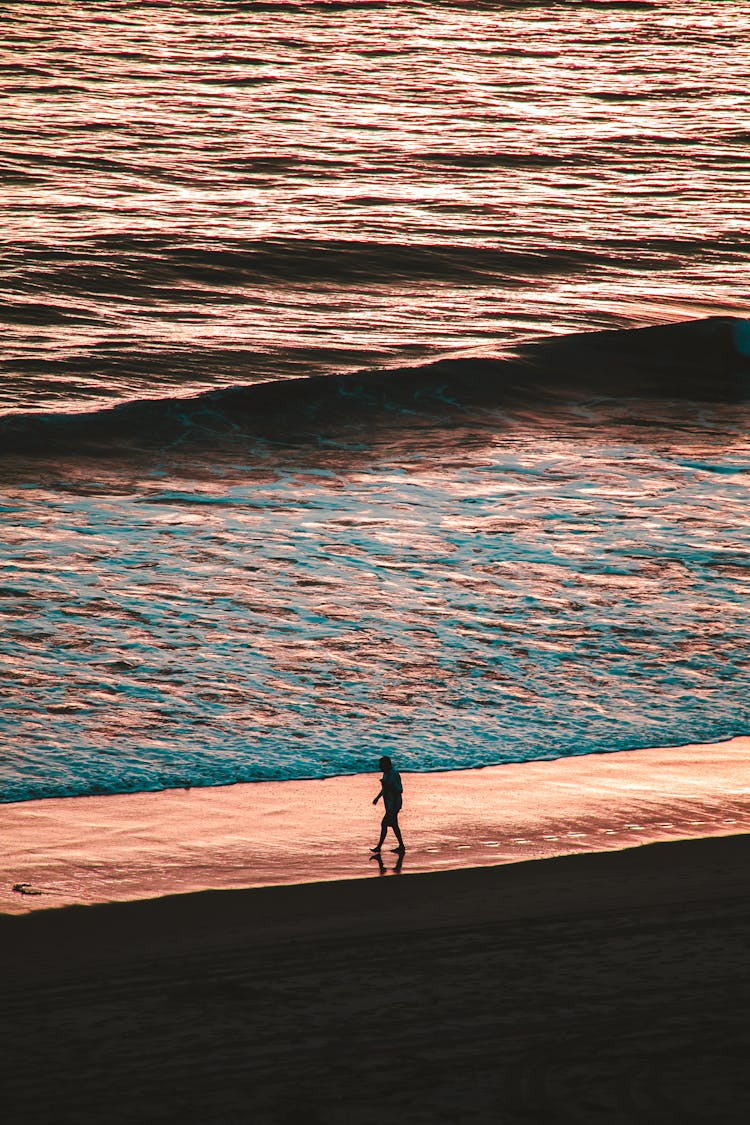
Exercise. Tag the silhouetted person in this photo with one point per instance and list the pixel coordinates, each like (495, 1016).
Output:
(391, 790)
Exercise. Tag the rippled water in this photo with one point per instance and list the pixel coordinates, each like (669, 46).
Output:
(481, 598)
(209, 194)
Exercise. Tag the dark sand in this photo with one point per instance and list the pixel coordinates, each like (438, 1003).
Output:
(602, 988)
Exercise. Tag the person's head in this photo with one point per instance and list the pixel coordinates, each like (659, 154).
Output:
(385, 763)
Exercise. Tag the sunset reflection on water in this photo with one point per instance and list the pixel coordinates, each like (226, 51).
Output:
(235, 192)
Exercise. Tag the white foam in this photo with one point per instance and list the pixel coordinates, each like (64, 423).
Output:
(457, 609)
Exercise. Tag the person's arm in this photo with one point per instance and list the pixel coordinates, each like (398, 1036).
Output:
(381, 793)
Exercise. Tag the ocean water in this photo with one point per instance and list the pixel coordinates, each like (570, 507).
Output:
(375, 377)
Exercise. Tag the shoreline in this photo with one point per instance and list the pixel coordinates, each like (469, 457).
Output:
(588, 755)
(86, 850)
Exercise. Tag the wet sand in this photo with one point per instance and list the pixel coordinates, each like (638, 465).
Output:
(601, 988)
(115, 848)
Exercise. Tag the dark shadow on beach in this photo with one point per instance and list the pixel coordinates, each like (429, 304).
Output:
(600, 989)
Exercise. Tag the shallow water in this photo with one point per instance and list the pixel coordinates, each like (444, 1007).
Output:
(455, 599)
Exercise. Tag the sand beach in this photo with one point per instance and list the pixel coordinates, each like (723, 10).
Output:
(608, 984)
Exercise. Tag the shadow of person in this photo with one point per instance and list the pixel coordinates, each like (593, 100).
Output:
(383, 870)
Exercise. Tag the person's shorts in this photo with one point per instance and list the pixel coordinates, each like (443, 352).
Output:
(391, 815)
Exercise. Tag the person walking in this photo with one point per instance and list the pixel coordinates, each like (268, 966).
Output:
(391, 791)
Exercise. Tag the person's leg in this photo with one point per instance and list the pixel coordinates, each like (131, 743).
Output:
(397, 834)
(383, 830)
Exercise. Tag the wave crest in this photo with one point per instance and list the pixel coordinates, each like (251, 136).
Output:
(703, 360)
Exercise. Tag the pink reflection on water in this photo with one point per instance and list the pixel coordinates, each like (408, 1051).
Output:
(552, 173)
